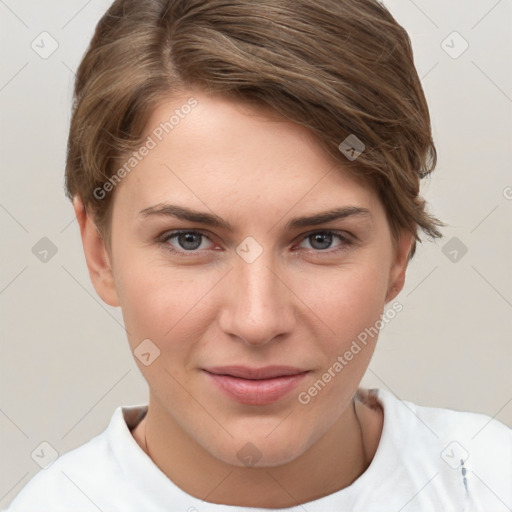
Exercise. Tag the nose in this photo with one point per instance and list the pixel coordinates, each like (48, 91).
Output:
(258, 305)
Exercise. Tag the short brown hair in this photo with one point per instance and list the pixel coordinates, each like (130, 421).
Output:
(337, 67)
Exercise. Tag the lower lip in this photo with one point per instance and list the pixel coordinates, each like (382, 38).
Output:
(256, 392)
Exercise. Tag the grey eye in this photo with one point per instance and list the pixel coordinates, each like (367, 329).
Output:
(321, 240)
(189, 241)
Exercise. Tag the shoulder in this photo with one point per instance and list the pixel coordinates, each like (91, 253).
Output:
(438, 423)
(61, 482)
(73, 479)
(458, 450)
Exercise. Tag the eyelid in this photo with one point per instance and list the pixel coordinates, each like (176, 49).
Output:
(168, 235)
(343, 234)
(173, 232)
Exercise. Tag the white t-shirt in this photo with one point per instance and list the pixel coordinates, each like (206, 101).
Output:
(417, 467)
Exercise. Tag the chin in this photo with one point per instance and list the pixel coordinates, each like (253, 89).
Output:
(260, 450)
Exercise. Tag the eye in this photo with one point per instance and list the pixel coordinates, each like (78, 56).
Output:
(191, 242)
(323, 240)
(184, 241)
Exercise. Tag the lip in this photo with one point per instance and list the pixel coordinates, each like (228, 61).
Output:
(256, 386)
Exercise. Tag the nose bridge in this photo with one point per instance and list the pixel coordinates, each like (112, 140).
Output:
(259, 307)
(258, 283)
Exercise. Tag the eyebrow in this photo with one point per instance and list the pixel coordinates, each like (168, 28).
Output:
(180, 212)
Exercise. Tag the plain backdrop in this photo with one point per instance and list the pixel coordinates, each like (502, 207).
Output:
(65, 362)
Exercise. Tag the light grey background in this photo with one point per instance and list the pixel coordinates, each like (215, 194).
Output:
(65, 360)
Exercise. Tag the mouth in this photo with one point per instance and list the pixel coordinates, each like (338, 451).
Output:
(255, 386)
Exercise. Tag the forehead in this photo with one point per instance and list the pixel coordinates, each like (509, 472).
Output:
(225, 153)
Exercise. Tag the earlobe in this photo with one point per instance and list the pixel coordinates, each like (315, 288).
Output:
(399, 267)
(96, 255)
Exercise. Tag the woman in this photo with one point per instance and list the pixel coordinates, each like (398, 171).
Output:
(246, 180)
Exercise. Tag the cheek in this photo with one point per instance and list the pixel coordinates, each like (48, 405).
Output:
(159, 303)
(350, 303)
(347, 300)
(144, 299)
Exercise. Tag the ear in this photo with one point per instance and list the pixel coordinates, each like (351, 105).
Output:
(399, 265)
(96, 255)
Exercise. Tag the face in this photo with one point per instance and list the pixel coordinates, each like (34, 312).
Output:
(221, 258)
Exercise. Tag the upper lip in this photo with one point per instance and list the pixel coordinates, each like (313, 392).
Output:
(244, 372)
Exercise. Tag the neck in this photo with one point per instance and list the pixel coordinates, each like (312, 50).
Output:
(336, 460)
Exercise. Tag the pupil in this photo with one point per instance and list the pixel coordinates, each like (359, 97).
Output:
(187, 241)
(324, 239)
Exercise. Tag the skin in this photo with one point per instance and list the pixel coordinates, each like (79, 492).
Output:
(300, 303)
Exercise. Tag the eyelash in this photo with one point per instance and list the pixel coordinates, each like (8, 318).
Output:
(164, 239)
